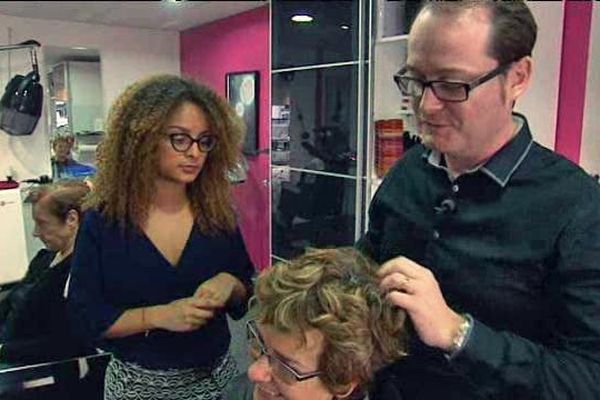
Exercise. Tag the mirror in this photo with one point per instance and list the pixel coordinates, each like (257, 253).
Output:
(74, 109)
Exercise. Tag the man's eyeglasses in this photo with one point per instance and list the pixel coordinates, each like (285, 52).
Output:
(280, 368)
(452, 91)
(182, 142)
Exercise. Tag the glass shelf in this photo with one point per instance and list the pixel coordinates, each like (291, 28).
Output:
(392, 39)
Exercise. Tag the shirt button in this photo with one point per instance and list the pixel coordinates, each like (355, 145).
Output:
(436, 235)
(455, 188)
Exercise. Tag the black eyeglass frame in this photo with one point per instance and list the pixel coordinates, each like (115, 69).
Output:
(192, 141)
(252, 332)
(467, 86)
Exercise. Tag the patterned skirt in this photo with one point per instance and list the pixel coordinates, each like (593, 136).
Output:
(129, 381)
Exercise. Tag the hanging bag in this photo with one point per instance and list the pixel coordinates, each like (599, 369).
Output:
(21, 104)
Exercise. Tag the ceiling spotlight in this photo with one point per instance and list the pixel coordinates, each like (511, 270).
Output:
(302, 18)
(345, 27)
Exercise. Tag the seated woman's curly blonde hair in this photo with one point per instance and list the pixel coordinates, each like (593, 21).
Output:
(335, 291)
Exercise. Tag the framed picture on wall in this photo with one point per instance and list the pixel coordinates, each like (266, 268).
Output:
(242, 93)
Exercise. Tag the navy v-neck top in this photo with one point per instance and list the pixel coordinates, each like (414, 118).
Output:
(115, 270)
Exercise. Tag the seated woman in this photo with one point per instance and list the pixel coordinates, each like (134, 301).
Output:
(322, 329)
(33, 319)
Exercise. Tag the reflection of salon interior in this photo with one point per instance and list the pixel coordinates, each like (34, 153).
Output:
(75, 109)
(329, 121)
(89, 54)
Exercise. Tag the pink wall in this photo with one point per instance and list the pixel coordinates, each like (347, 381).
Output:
(573, 78)
(234, 44)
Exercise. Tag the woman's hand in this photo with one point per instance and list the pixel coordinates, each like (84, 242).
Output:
(181, 315)
(217, 291)
(191, 313)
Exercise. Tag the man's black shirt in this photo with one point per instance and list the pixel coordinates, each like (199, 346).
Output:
(519, 249)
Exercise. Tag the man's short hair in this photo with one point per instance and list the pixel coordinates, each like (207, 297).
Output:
(514, 30)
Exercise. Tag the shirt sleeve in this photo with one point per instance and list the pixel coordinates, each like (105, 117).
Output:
(502, 362)
(242, 268)
(90, 313)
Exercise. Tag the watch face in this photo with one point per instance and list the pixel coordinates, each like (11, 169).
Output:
(459, 339)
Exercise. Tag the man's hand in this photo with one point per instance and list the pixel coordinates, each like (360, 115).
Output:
(414, 288)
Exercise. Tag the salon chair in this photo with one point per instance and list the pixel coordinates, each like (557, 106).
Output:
(76, 378)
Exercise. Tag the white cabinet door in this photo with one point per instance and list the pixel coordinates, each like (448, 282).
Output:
(13, 247)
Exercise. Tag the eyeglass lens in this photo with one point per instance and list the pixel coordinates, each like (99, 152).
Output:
(257, 350)
(182, 142)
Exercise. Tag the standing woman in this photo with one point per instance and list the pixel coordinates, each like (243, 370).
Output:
(159, 259)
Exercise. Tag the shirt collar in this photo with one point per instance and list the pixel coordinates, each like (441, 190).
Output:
(504, 163)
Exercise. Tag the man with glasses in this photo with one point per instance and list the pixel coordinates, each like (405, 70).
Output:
(322, 329)
(489, 241)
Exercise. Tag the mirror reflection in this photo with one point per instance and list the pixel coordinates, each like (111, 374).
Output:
(75, 109)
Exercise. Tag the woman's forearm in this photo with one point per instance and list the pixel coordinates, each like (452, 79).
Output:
(136, 320)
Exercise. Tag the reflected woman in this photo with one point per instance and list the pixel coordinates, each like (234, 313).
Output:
(159, 259)
(34, 326)
(322, 329)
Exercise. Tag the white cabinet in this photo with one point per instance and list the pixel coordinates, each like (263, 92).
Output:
(389, 56)
(75, 89)
(13, 246)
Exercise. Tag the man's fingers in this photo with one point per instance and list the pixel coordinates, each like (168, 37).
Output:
(400, 264)
(397, 281)
(402, 300)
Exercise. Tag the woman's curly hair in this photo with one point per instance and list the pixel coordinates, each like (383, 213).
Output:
(335, 291)
(128, 166)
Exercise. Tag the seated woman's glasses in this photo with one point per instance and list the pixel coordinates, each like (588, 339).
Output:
(280, 368)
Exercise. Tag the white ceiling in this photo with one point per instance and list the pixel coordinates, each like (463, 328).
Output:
(167, 15)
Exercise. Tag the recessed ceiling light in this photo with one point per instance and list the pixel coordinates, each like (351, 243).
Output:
(79, 48)
(302, 18)
(345, 27)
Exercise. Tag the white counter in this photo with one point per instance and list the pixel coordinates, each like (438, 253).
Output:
(13, 245)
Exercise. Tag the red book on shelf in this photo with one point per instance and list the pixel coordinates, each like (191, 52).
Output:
(389, 145)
